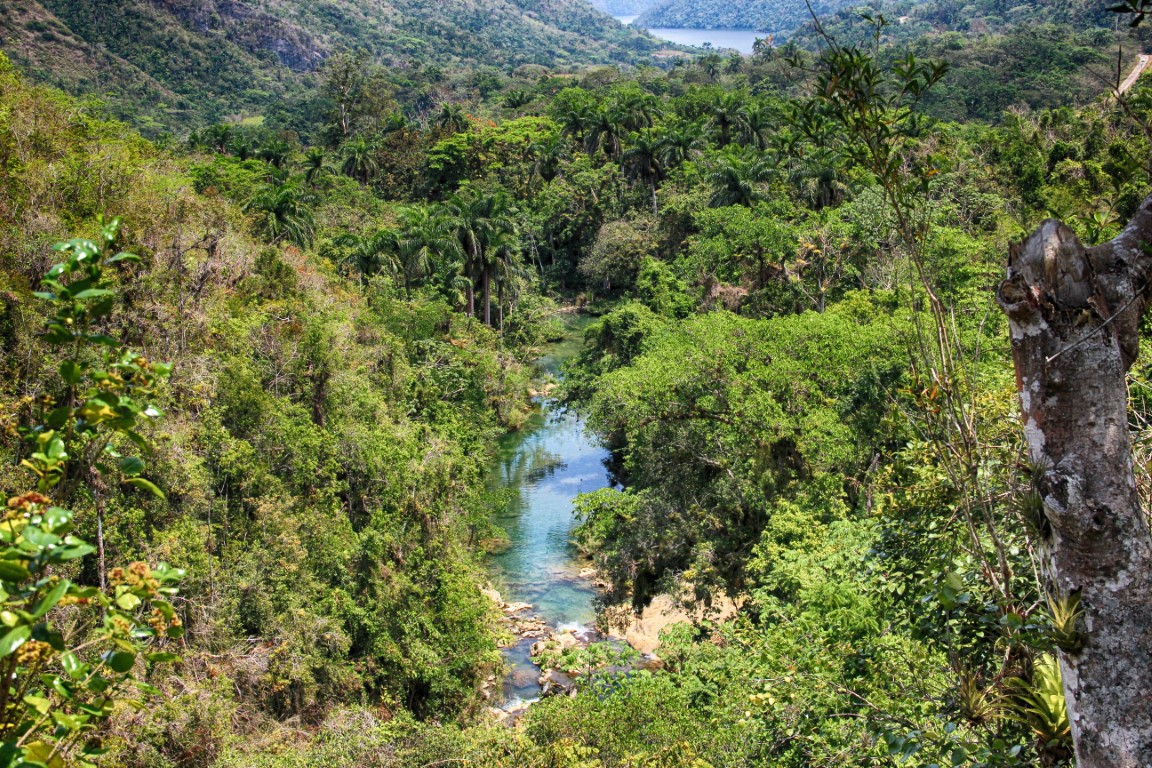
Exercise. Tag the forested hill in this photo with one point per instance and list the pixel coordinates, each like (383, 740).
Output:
(181, 62)
(914, 19)
(777, 17)
(917, 17)
(624, 7)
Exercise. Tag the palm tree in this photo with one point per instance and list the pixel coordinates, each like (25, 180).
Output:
(424, 241)
(394, 122)
(219, 136)
(604, 131)
(360, 160)
(315, 164)
(635, 110)
(574, 119)
(680, 143)
(453, 118)
(754, 125)
(275, 152)
(727, 112)
(517, 98)
(484, 228)
(241, 148)
(710, 63)
(508, 275)
(642, 163)
(284, 212)
(370, 254)
(546, 155)
(500, 258)
(818, 178)
(735, 177)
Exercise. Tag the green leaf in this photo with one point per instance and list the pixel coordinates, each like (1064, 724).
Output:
(14, 639)
(13, 571)
(97, 684)
(62, 554)
(38, 703)
(136, 438)
(124, 257)
(49, 601)
(70, 722)
(146, 485)
(62, 688)
(71, 371)
(162, 657)
(57, 519)
(40, 754)
(128, 601)
(34, 535)
(58, 417)
(73, 666)
(120, 661)
(93, 293)
(56, 449)
(131, 466)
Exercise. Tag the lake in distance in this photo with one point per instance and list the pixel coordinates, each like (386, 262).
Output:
(741, 40)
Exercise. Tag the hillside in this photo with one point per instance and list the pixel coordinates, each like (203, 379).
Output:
(624, 7)
(179, 63)
(777, 18)
(1002, 54)
(392, 400)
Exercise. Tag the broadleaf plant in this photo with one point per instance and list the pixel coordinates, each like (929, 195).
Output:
(61, 686)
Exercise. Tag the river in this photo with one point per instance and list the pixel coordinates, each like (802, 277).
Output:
(741, 40)
(545, 465)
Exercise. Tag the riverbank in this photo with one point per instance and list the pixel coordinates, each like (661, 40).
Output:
(544, 589)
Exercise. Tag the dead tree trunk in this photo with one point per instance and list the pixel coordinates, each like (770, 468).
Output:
(1074, 314)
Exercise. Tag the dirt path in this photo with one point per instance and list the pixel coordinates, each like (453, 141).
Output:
(1141, 65)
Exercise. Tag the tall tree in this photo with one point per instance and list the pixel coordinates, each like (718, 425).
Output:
(642, 163)
(423, 242)
(315, 164)
(727, 112)
(605, 130)
(1074, 314)
(371, 254)
(452, 119)
(681, 142)
(360, 160)
(483, 225)
(284, 212)
(735, 177)
(359, 93)
(754, 126)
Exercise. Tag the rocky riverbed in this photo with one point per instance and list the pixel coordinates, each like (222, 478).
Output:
(530, 638)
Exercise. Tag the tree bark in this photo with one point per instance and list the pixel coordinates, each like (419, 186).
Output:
(1074, 316)
(487, 280)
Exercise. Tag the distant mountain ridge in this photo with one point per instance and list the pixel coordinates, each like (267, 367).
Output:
(195, 60)
(625, 7)
(777, 17)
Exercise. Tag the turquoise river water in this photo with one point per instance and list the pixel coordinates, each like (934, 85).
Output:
(545, 465)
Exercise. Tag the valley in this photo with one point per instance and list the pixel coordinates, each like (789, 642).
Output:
(497, 383)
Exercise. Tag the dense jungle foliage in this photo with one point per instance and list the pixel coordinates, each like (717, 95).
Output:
(303, 335)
